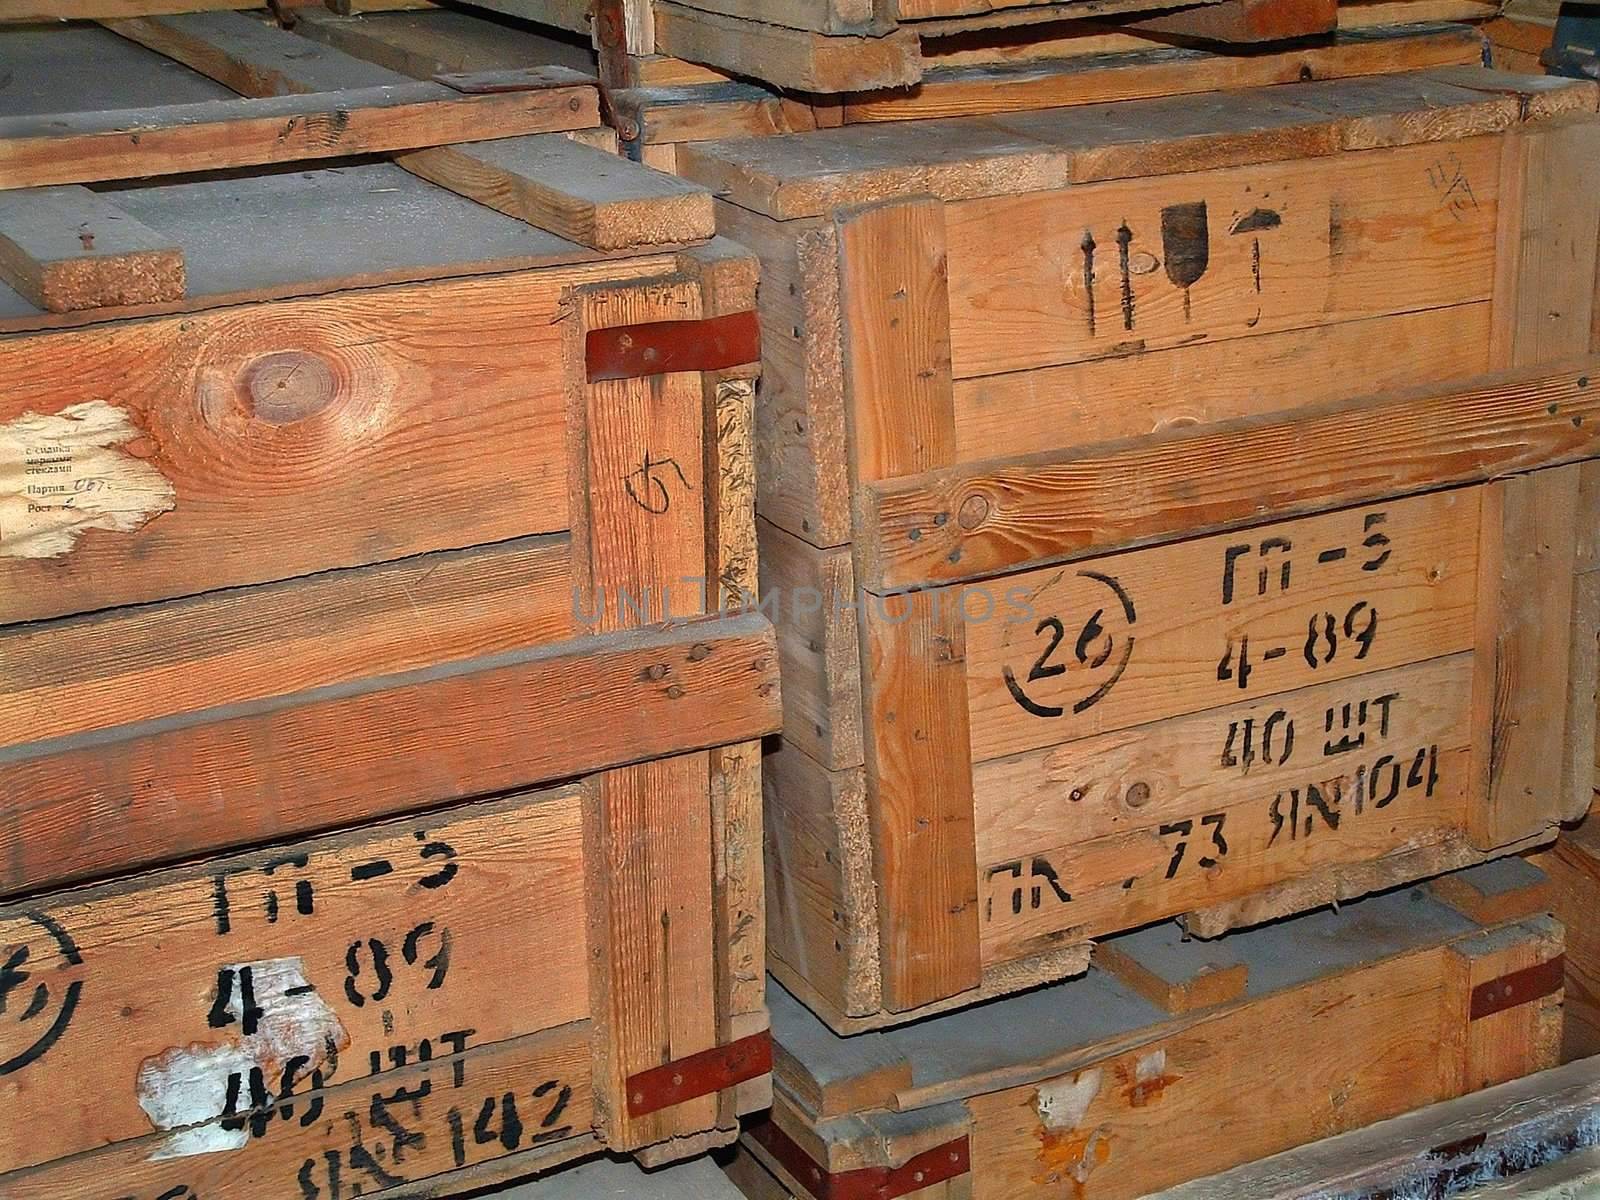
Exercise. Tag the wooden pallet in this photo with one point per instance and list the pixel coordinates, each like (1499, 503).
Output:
(979, 772)
(363, 552)
(1178, 1059)
(1530, 1139)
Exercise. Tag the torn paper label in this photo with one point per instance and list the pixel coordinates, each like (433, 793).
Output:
(1062, 1103)
(65, 473)
(293, 1034)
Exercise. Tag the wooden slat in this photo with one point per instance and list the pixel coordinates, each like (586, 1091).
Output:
(1476, 1136)
(77, 147)
(920, 798)
(1524, 657)
(1153, 70)
(792, 59)
(427, 43)
(639, 491)
(330, 1137)
(67, 248)
(966, 158)
(352, 954)
(893, 291)
(1245, 21)
(279, 432)
(251, 56)
(1067, 506)
(575, 191)
(97, 802)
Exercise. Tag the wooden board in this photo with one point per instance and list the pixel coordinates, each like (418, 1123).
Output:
(1064, 653)
(288, 971)
(67, 248)
(100, 800)
(1087, 1087)
(519, 1106)
(1501, 1137)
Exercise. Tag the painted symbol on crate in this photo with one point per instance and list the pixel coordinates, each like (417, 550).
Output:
(1255, 223)
(650, 487)
(1100, 646)
(41, 982)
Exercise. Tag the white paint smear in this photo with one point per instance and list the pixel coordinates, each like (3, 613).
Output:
(186, 1088)
(65, 473)
(1150, 1066)
(1063, 1102)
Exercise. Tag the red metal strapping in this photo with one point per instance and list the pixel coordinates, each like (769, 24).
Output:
(699, 1074)
(1519, 987)
(662, 347)
(866, 1183)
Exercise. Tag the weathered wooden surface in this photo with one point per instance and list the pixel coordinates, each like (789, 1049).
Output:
(1497, 1135)
(1135, 337)
(67, 248)
(1087, 1085)
(288, 971)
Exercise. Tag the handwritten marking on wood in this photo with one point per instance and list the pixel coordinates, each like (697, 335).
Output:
(64, 473)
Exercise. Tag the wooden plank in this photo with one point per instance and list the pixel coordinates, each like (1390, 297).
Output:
(396, 228)
(810, 595)
(577, 192)
(1174, 992)
(822, 906)
(1352, 794)
(1194, 625)
(30, 11)
(791, 59)
(893, 292)
(1107, 399)
(332, 1137)
(802, 461)
(1484, 1135)
(972, 157)
(698, 1180)
(639, 548)
(289, 970)
(68, 248)
(146, 662)
(1209, 256)
(1245, 21)
(920, 798)
(436, 41)
(1153, 70)
(271, 437)
(704, 112)
(251, 56)
(1524, 657)
(1054, 507)
(1515, 982)
(451, 731)
(82, 147)
(1507, 889)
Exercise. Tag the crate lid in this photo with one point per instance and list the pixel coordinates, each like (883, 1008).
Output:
(958, 158)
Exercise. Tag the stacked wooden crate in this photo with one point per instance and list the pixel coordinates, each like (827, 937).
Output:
(379, 776)
(1174, 469)
(1177, 1059)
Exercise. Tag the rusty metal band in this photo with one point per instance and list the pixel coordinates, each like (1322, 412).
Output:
(943, 1162)
(699, 1074)
(663, 347)
(1519, 987)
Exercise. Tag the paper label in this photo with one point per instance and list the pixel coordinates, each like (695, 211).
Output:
(65, 473)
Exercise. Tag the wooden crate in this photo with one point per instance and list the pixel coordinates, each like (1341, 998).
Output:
(1236, 435)
(1180, 1059)
(1532, 1138)
(328, 496)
